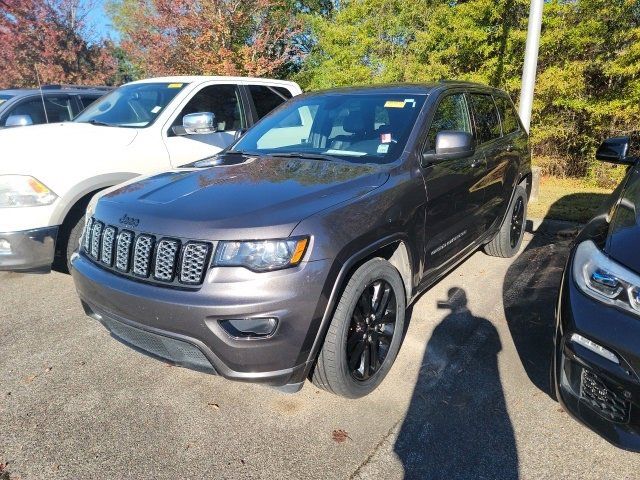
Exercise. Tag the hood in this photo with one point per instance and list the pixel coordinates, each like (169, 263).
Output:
(623, 242)
(255, 198)
(26, 148)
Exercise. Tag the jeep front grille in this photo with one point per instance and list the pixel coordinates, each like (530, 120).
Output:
(168, 261)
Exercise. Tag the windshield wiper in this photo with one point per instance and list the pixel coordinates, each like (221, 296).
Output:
(99, 123)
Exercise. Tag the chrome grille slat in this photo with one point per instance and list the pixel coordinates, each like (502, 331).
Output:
(142, 255)
(108, 237)
(86, 236)
(194, 259)
(165, 259)
(96, 236)
(123, 250)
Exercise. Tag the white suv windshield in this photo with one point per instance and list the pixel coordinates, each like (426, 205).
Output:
(358, 127)
(134, 105)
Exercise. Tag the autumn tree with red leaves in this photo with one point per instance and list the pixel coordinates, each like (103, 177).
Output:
(208, 37)
(50, 37)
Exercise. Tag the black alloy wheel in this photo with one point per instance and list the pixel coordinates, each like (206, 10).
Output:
(517, 222)
(371, 330)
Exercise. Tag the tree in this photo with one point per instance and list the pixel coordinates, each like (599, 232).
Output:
(49, 37)
(202, 37)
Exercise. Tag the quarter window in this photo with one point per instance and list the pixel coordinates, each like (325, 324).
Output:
(221, 100)
(452, 114)
(486, 115)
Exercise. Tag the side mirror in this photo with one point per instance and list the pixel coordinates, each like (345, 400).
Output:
(18, 121)
(197, 124)
(615, 150)
(451, 145)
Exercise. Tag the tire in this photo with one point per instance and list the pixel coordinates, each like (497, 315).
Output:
(68, 242)
(349, 329)
(508, 240)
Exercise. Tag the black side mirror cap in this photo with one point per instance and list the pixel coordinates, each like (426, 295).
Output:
(616, 150)
(450, 145)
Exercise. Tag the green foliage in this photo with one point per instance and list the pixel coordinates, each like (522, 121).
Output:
(588, 83)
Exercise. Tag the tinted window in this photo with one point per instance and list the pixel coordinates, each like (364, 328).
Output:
(221, 100)
(363, 128)
(33, 108)
(266, 98)
(58, 108)
(88, 99)
(452, 114)
(508, 115)
(487, 122)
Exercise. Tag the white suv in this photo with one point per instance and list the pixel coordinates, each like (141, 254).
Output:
(48, 173)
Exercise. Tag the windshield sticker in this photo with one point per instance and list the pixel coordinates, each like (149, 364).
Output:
(385, 138)
(384, 148)
(156, 109)
(175, 85)
(411, 101)
(394, 104)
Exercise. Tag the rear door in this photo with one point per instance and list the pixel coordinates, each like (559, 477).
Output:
(225, 101)
(489, 144)
(453, 200)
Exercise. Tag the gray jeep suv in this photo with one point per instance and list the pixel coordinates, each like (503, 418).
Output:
(295, 252)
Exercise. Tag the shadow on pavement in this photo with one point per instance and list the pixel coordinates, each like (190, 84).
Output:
(457, 425)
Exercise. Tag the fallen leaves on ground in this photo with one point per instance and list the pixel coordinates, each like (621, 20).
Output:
(340, 436)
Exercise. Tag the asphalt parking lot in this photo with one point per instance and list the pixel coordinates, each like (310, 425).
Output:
(468, 396)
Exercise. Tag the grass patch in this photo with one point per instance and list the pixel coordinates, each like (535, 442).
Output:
(568, 199)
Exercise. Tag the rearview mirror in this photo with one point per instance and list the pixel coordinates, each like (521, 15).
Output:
(616, 150)
(451, 145)
(197, 124)
(18, 121)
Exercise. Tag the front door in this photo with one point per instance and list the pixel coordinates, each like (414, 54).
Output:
(453, 199)
(224, 101)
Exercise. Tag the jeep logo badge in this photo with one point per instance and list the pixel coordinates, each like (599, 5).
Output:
(129, 221)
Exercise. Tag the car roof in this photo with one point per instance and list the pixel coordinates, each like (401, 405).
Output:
(26, 91)
(405, 88)
(207, 78)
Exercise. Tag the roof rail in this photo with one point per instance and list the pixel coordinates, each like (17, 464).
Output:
(62, 86)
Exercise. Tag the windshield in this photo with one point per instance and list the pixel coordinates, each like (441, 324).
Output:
(4, 97)
(134, 105)
(363, 128)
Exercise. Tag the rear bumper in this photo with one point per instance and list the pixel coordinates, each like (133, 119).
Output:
(182, 326)
(28, 250)
(602, 394)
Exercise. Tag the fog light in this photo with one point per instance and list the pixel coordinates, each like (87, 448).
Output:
(250, 327)
(594, 347)
(5, 247)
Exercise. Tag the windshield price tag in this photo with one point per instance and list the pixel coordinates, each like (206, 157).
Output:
(174, 85)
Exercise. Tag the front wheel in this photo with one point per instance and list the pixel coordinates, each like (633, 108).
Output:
(507, 241)
(365, 333)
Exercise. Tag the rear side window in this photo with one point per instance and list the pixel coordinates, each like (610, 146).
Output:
(88, 99)
(486, 115)
(508, 115)
(58, 108)
(267, 98)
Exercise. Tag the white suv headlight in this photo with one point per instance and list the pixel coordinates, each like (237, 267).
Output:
(24, 191)
(604, 279)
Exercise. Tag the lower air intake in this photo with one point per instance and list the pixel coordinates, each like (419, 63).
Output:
(607, 402)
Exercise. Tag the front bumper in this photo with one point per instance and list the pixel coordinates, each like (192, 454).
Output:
(28, 250)
(602, 394)
(182, 326)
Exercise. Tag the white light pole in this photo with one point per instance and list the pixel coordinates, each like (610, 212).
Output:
(530, 62)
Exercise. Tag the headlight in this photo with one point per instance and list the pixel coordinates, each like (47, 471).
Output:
(24, 191)
(261, 255)
(604, 279)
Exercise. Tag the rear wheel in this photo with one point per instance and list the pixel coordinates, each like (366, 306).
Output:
(365, 333)
(507, 241)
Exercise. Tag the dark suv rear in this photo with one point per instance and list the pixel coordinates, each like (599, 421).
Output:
(295, 252)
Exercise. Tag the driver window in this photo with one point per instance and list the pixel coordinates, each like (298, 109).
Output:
(452, 114)
(221, 100)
